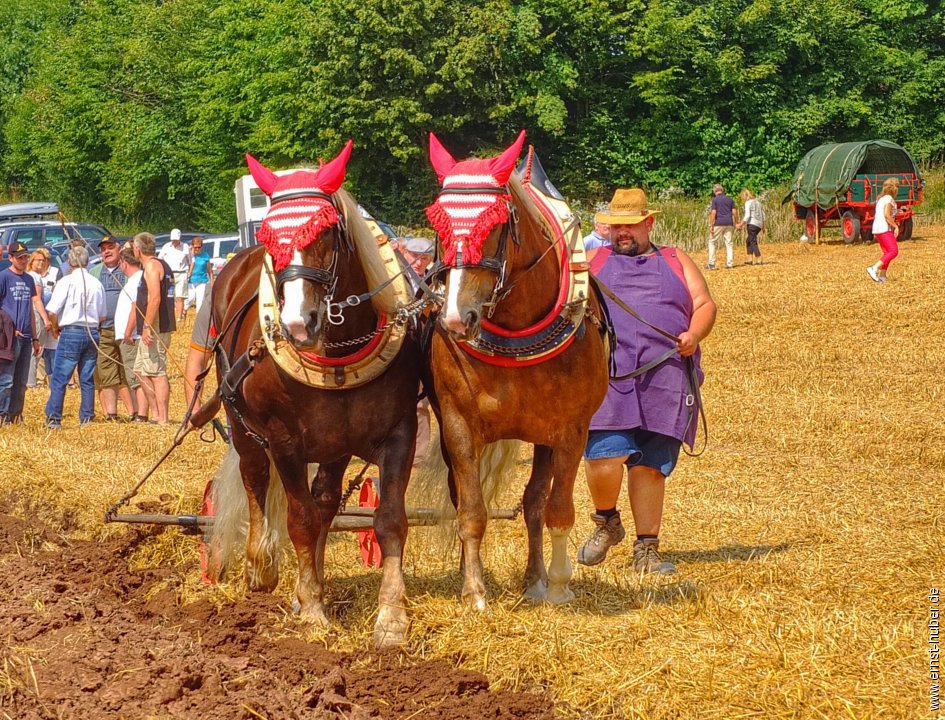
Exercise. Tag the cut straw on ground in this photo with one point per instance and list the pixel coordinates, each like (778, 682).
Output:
(806, 537)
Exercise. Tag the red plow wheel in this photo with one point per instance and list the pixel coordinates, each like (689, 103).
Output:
(367, 540)
(209, 560)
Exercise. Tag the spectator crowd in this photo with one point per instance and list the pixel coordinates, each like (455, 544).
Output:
(105, 330)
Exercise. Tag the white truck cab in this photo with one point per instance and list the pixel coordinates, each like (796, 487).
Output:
(252, 204)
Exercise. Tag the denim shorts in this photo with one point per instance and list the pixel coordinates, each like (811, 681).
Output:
(641, 447)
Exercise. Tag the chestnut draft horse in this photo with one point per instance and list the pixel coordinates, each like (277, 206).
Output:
(332, 371)
(518, 352)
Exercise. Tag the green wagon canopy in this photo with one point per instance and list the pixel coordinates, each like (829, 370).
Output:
(824, 174)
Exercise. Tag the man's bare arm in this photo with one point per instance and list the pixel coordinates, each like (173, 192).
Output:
(703, 307)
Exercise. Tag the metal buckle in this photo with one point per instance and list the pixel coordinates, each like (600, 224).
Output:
(690, 400)
(335, 311)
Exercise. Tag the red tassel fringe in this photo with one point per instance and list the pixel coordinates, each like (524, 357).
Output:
(281, 252)
(495, 214)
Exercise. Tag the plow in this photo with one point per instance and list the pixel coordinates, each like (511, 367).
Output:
(358, 519)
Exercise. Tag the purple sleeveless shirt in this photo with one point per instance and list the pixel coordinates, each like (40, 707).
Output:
(656, 400)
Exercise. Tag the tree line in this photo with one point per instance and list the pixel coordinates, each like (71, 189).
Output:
(139, 111)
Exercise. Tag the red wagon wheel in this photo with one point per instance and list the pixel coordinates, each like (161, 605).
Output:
(811, 223)
(367, 540)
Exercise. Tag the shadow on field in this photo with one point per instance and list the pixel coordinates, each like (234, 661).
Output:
(727, 553)
(604, 597)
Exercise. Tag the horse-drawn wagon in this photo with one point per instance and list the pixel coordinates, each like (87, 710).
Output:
(837, 185)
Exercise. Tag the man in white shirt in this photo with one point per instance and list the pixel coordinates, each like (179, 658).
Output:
(126, 331)
(177, 255)
(76, 309)
(598, 237)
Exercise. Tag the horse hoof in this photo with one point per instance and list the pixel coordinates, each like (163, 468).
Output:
(313, 615)
(261, 582)
(559, 595)
(475, 601)
(537, 592)
(391, 628)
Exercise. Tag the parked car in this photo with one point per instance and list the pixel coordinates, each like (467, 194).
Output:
(31, 224)
(59, 252)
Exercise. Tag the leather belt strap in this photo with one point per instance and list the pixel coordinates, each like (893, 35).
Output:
(646, 368)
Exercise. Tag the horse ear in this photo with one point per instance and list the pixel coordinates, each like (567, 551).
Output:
(330, 176)
(440, 158)
(264, 177)
(503, 165)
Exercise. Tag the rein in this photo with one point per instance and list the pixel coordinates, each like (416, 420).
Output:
(623, 306)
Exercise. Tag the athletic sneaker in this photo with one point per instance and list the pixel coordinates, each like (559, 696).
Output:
(871, 271)
(647, 559)
(609, 532)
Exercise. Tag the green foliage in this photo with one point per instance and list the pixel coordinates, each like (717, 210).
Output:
(140, 111)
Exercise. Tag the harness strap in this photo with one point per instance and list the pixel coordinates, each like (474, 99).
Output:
(239, 370)
(420, 282)
(233, 377)
(355, 300)
(695, 397)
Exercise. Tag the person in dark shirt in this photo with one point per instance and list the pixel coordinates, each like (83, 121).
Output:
(156, 321)
(18, 298)
(723, 215)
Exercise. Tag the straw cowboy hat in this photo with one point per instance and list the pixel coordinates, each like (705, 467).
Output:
(627, 208)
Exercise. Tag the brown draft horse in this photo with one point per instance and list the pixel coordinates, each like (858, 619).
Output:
(508, 375)
(322, 251)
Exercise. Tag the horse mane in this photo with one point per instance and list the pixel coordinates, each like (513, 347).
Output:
(395, 295)
(529, 209)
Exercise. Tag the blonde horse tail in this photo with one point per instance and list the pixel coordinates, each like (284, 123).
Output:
(428, 483)
(495, 468)
(228, 533)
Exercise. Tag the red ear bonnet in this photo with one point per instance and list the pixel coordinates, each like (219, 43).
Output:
(503, 165)
(472, 202)
(298, 215)
(264, 177)
(440, 158)
(331, 175)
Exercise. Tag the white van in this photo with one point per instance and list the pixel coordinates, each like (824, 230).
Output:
(220, 248)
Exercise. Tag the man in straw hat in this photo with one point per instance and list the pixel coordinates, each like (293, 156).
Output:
(644, 419)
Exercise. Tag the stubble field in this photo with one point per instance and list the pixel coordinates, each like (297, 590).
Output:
(807, 539)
